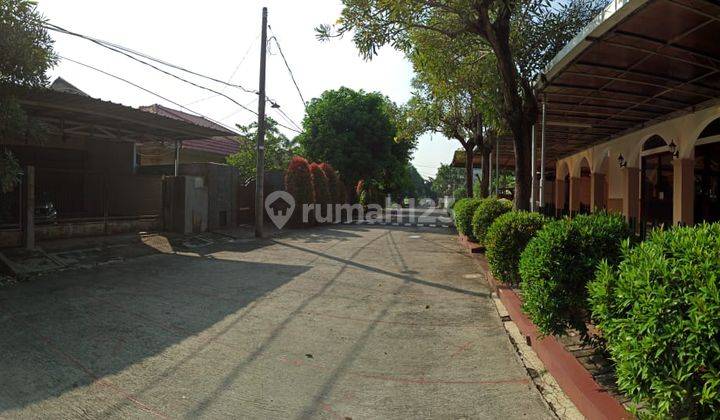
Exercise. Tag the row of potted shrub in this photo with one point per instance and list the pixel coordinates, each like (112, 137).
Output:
(313, 183)
(656, 304)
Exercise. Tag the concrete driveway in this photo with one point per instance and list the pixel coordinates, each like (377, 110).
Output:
(346, 322)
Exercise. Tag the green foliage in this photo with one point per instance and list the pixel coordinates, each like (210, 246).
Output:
(10, 171)
(447, 180)
(357, 133)
(299, 183)
(26, 55)
(659, 313)
(487, 211)
(25, 46)
(558, 263)
(463, 211)
(278, 149)
(368, 193)
(320, 185)
(505, 241)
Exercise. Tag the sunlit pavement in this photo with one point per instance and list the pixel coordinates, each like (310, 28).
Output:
(332, 322)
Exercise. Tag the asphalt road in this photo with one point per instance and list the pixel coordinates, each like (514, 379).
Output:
(346, 322)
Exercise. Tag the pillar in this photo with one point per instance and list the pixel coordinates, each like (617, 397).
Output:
(29, 228)
(683, 191)
(574, 194)
(597, 191)
(559, 194)
(631, 192)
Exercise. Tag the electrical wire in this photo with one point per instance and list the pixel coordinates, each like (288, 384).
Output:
(143, 89)
(127, 52)
(113, 46)
(292, 75)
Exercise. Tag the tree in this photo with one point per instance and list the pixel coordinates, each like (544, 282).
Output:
(455, 94)
(357, 133)
(26, 55)
(521, 37)
(278, 149)
(447, 180)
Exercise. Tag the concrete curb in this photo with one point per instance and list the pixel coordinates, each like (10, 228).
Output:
(577, 383)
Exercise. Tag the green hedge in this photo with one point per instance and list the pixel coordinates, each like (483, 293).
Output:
(464, 210)
(505, 241)
(485, 214)
(558, 263)
(659, 313)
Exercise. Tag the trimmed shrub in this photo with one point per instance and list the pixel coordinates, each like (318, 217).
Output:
(320, 185)
(505, 241)
(659, 313)
(463, 212)
(558, 263)
(487, 211)
(333, 181)
(298, 182)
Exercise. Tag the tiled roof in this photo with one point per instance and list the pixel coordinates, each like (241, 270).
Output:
(224, 145)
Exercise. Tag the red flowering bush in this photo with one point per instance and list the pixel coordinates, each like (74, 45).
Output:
(333, 179)
(299, 183)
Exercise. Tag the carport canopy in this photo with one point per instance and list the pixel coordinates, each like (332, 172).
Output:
(72, 114)
(639, 62)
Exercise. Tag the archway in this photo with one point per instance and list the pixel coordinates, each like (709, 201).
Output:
(707, 174)
(656, 187)
(601, 188)
(584, 188)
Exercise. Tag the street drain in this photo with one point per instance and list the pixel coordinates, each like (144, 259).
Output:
(472, 276)
(415, 236)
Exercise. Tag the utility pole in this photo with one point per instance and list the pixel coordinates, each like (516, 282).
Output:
(260, 167)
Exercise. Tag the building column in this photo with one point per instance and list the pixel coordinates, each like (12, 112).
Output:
(597, 191)
(631, 192)
(29, 227)
(683, 191)
(574, 194)
(559, 194)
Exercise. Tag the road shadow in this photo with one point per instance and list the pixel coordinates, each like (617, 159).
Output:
(70, 329)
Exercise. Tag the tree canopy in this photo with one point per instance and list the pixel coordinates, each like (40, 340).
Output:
(26, 55)
(361, 135)
(519, 37)
(278, 149)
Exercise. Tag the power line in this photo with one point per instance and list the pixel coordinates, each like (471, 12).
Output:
(292, 76)
(143, 89)
(126, 52)
(115, 47)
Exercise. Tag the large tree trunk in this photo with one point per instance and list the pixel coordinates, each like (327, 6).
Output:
(469, 157)
(485, 172)
(520, 107)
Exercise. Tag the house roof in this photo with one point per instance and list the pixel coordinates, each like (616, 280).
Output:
(639, 62)
(221, 145)
(507, 156)
(66, 112)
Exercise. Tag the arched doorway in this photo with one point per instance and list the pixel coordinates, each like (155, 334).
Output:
(656, 188)
(707, 174)
(584, 189)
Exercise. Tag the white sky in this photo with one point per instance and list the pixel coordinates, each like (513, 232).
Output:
(212, 37)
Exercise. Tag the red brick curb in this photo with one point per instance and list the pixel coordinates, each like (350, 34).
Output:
(473, 247)
(577, 383)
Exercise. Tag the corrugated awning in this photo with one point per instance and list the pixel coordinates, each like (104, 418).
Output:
(639, 62)
(82, 115)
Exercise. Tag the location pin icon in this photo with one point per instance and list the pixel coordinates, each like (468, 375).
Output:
(280, 206)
